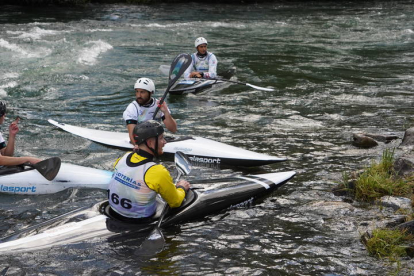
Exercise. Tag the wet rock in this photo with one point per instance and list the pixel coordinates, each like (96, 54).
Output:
(408, 226)
(331, 208)
(381, 137)
(344, 190)
(365, 237)
(404, 165)
(362, 141)
(394, 221)
(408, 139)
(396, 203)
(410, 251)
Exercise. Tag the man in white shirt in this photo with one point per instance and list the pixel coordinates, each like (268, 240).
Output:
(204, 63)
(143, 108)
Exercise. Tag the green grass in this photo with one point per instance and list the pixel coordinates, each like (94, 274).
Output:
(389, 244)
(380, 180)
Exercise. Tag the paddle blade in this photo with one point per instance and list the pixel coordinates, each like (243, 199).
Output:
(152, 245)
(178, 67)
(259, 88)
(49, 168)
(182, 163)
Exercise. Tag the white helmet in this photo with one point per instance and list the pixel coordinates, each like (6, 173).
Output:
(199, 41)
(146, 84)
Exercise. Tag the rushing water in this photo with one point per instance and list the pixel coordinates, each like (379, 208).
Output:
(337, 68)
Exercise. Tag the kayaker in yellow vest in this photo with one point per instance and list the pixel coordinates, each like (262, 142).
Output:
(137, 179)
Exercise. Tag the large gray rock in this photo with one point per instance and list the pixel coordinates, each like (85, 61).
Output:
(404, 165)
(408, 226)
(396, 202)
(408, 139)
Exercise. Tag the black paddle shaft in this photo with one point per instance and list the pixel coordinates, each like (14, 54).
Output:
(178, 67)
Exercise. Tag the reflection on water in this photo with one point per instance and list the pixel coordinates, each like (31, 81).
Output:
(337, 69)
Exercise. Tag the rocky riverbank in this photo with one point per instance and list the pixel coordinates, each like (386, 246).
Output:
(395, 210)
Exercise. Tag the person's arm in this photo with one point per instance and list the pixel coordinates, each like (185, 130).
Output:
(9, 149)
(212, 68)
(14, 161)
(131, 120)
(159, 179)
(130, 128)
(168, 119)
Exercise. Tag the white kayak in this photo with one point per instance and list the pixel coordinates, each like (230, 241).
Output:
(30, 182)
(85, 226)
(198, 150)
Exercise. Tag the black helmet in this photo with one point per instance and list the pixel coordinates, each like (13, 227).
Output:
(3, 108)
(146, 130)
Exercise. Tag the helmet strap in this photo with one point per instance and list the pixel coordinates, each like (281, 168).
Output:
(155, 151)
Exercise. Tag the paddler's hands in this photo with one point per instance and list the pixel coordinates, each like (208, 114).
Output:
(14, 128)
(184, 183)
(195, 75)
(163, 107)
(33, 160)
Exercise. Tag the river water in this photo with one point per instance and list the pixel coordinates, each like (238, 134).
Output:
(337, 69)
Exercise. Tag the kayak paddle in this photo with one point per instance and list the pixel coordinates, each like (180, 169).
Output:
(247, 84)
(155, 242)
(48, 168)
(178, 67)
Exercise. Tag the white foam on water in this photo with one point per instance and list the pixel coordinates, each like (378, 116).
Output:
(299, 122)
(40, 52)
(90, 54)
(11, 75)
(227, 25)
(162, 26)
(98, 30)
(36, 33)
(40, 23)
(3, 87)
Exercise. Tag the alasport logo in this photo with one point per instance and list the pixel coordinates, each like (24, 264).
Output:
(205, 160)
(17, 189)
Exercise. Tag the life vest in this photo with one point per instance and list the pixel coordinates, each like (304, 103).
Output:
(128, 193)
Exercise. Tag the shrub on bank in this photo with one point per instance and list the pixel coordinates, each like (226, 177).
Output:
(370, 185)
(390, 244)
(378, 180)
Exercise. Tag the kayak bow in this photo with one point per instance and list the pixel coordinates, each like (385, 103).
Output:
(28, 181)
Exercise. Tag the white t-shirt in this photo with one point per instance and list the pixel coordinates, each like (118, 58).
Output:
(135, 113)
(207, 65)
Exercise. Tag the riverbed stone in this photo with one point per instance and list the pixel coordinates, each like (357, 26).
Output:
(384, 138)
(396, 203)
(408, 139)
(408, 226)
(404, 165)
(361, 141)
(331, 208)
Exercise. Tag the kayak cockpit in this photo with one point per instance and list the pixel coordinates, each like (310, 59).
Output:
(119, 223)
